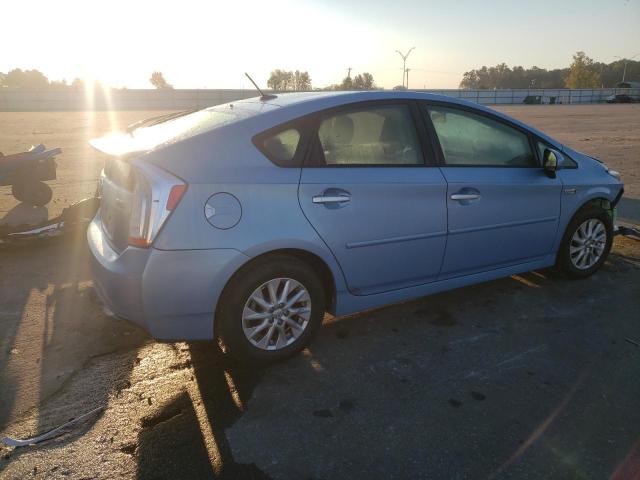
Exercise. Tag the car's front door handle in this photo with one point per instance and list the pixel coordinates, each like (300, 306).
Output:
(331, 199)
(465, 196)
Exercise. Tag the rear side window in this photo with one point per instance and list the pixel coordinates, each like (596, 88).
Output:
(280, 147)
(369, 136)
(469, 139)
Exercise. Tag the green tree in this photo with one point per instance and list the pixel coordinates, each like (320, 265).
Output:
(301, 81)
(158, 81)
(364, 82)
(582, 73)
(25, 79)
(283, 80)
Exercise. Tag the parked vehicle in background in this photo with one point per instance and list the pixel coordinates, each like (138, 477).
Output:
(625, 97)
(620, 98)
(248, 221)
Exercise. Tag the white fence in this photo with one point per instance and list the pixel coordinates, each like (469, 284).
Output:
(556, 95)
(74, 100)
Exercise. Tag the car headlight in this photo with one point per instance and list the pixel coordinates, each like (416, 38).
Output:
(615, 174)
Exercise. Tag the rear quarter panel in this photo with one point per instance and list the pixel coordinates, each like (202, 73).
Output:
(226, 161)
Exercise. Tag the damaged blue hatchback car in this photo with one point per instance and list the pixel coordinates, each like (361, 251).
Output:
(248, 221)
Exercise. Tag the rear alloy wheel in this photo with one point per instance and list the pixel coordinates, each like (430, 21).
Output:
(276, 314)
(270, 309)
(586, 243)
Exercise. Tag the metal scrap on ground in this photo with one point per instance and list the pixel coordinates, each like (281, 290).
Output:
(56, 432)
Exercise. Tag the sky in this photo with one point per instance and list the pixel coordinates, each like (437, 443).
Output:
(210, 44)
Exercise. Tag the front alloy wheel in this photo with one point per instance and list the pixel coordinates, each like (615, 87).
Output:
(588, 244)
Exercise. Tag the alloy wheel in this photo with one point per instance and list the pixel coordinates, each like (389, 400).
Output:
(276, 313)
(588, 244)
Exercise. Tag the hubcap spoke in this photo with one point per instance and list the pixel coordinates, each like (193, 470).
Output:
(293, 324)
(272, 287)
(296, 298)
(258, 329)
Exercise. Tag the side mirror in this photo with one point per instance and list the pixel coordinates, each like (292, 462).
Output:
(552, 161)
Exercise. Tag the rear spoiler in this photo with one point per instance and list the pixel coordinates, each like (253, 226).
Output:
(120, 145)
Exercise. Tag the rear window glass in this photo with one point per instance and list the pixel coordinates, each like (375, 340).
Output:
(280, 147)
(184, 127)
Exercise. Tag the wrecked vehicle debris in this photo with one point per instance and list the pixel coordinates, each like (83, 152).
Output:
(56, 432)
(72, 218)
(26, 173)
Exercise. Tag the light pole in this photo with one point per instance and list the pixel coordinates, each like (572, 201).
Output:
(407, 70)
(404, 62)
(625, 60)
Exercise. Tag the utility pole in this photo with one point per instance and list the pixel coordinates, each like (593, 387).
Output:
(404, 62)
(625, 60)
(407, 70)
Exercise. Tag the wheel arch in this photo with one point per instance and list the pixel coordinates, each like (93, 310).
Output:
(319, 265)
(598, 199)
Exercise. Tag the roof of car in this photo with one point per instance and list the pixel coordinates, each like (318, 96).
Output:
(289, 99)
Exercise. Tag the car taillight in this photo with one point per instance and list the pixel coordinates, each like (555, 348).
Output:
(156, 193)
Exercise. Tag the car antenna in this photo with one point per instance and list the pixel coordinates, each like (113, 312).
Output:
(262, 95)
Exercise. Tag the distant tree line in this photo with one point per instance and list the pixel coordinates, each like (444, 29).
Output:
(34, 80)
(283, 80)
(362, 81)
(582, 73)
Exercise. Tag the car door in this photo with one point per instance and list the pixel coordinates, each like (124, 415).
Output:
(502, 208)
(367, 191)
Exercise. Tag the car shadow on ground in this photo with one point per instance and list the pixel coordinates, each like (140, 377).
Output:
(186, 437)
(51, 326)
(477, 381)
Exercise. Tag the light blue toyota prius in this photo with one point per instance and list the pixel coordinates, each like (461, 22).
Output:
(246, 222)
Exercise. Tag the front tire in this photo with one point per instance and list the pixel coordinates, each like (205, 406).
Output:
(270, 310)
(586, 243)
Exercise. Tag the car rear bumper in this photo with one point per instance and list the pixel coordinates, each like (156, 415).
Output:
(171, 293)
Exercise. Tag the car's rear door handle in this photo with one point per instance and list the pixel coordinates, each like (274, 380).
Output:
(465, 196)
(331, 198)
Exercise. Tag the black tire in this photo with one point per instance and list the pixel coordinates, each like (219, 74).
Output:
(243, 284)
(33, 193)
(18, 191)
(563, 261)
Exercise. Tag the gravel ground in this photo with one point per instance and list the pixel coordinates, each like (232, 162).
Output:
(532, 376)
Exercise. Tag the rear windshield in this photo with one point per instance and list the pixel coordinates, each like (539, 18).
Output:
(185, 126)
(147, 137)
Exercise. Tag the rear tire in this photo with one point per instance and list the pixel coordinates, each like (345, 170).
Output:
(586, 243)
(280, 329)
(33, 193)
